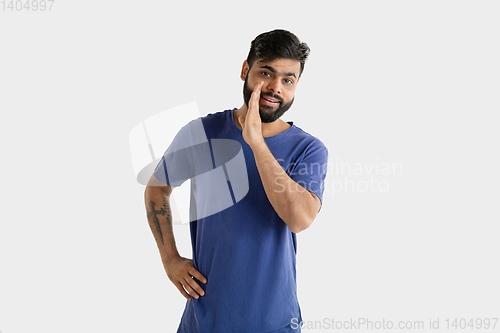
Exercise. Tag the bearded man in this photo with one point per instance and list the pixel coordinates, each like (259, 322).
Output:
(242, 277)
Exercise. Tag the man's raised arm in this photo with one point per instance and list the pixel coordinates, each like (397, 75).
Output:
(296, 206)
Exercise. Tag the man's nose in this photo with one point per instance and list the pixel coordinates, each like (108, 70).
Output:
(275, 86)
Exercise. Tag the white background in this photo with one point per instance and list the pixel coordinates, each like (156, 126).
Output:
(409, 83)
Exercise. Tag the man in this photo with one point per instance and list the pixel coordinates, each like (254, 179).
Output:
(242, 276)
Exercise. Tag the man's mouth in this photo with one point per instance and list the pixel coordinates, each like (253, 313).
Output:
(269, 101)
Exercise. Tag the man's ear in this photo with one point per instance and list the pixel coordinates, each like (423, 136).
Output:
(244, 70)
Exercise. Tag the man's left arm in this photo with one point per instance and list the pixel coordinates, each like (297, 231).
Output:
(295, 205)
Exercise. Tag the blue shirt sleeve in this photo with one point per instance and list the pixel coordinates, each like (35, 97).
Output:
(310, 170)
(187, 156)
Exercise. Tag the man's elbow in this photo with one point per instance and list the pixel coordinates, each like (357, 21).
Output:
(300, 225)
(303, 216)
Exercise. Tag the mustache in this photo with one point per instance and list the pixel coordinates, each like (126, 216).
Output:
(278, 97)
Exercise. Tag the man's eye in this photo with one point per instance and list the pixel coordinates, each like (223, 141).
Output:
(288, 81)
(266, 73)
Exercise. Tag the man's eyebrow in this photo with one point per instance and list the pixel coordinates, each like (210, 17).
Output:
(274, 71)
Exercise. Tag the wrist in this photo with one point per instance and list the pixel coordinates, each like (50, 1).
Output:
(258, 144)
(167, 256)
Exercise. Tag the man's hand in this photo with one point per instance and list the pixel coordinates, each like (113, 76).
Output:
(180, 271)
(251, 124)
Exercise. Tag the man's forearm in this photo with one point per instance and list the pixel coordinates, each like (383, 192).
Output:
(296, 206)
(159, 216)
(179, 270)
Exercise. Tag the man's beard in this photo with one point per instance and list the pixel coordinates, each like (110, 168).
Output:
(266, 115)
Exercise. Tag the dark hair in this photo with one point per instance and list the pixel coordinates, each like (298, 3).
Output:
(278, 44)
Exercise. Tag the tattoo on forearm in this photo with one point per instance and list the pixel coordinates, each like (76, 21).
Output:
(164, 211)
(168, 213)
(156, 221)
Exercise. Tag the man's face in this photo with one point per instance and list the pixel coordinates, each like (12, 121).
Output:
(278, 92)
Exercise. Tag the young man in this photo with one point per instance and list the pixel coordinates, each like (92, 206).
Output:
(242, 276)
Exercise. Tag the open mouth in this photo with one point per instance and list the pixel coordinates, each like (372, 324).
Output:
(269, 101)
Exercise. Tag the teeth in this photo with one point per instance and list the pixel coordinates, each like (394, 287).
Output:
(270, 100)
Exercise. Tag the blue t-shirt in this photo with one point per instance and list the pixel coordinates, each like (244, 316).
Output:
(243, 248)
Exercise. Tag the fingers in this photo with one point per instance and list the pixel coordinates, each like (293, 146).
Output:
(183, 292)
(254, 99)
(181, 272)
(198, 275)
(188, 285)
(193, 288)
(258, 88)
